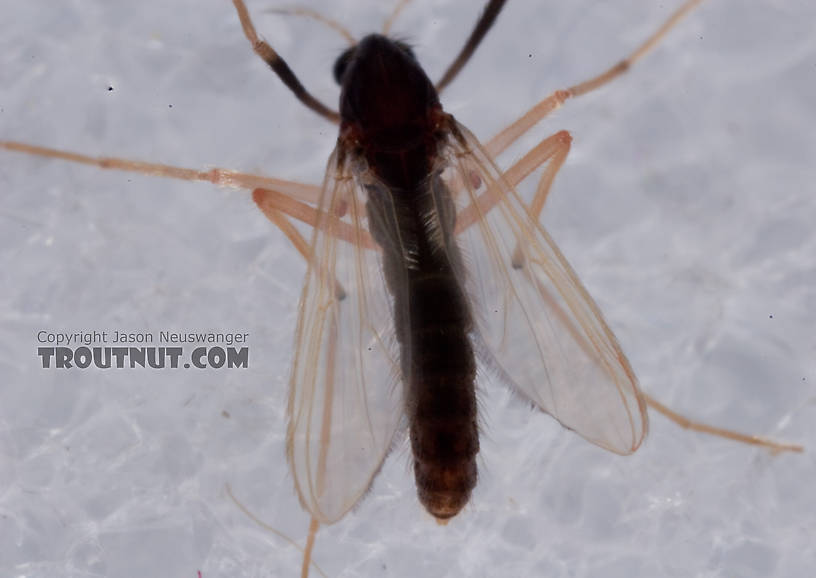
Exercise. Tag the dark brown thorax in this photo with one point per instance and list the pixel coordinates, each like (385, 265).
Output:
(389, 110)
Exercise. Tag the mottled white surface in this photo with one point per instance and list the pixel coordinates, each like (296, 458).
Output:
(687, 206)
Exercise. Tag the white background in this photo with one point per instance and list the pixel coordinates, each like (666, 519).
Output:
(687, 206)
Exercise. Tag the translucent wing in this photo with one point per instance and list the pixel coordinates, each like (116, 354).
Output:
(344, 406)
(537, 325)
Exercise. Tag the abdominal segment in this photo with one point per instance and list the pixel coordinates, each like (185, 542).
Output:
(440, 393)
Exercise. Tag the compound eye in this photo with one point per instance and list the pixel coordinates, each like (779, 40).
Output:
(341, 64)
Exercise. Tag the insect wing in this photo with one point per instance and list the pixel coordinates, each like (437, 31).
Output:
(538, 328)
(344, 406)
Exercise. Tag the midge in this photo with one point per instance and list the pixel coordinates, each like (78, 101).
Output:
(423, 259)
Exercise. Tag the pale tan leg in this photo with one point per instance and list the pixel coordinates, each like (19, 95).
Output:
(307, 551)
(525, 122)
(271, 201)
(274, 197)
(686, 423)
(554, 148)
(281, 222)
(278, 199)
(220, 177)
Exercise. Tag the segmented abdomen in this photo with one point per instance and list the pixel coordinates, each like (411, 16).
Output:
(440, 392)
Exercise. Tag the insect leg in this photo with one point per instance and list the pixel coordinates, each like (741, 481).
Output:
(217, 176)
(307, 556)
(281, 222)
(271, 201)
(268, 203)
(554, 149)
(525, 122)
(279, 66)
(276, 199)
(687, 423)
(314, 525)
